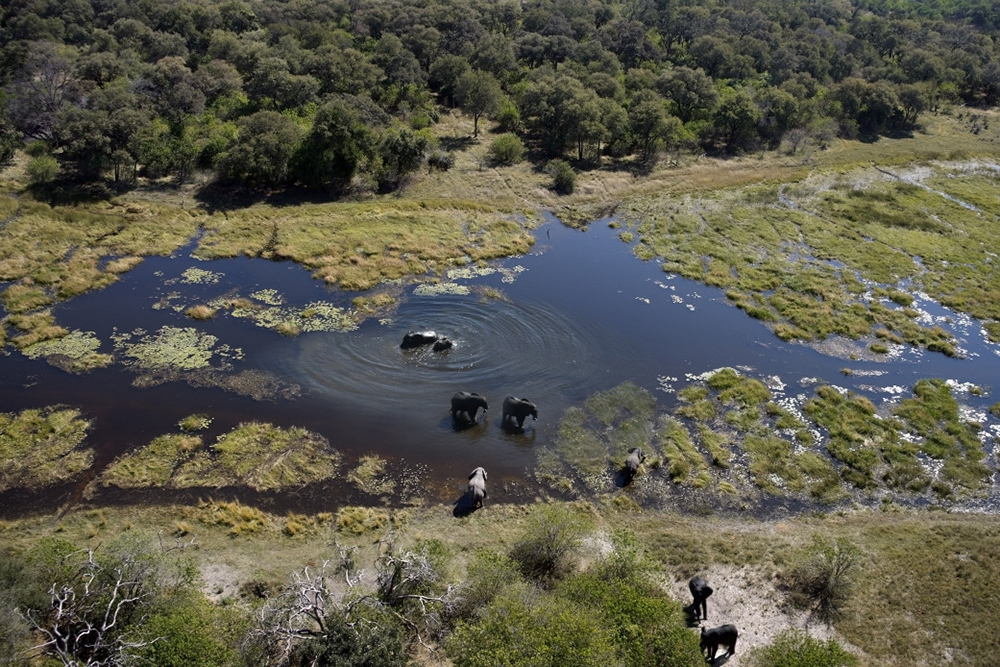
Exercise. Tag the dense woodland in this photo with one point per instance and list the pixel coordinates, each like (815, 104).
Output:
(329, 94)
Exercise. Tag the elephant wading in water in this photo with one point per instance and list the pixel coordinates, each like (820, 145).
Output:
(467, 403)
(477, 487)
(635, 458)
(518, 408)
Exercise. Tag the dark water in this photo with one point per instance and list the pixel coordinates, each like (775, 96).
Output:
(581, 315)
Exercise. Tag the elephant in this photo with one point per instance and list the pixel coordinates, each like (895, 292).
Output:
(418, 338)
(442, 344)
(635, 457)
(700, 590)
(712, 638)
(518, 408)
(467, 402)
(477, 487)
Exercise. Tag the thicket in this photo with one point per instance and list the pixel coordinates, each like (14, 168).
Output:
(335, 95)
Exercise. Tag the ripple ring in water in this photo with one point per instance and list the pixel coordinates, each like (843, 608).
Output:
(500, 346)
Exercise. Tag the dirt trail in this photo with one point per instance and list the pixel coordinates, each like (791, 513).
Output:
(749, 600)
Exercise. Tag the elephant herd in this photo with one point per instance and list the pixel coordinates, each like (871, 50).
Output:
(711, 638)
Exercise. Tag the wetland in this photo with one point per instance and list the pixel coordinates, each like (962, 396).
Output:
(773, 347)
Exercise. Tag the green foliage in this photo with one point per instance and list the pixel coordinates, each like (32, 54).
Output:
(545, 551)
(188, 631)
(487, 576)
(506, 149)
(366, 636)
(42, 170)
(262, 153)
(523, 628)
(796, 648)
(563, 176)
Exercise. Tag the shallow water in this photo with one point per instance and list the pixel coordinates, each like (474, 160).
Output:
(581, 314)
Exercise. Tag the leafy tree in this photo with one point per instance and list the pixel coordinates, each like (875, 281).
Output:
(478, 93)
(44, 86)
(186, 630)
(563, 182)
(690, 90)
(735, 121)
(445, 73)
(650, 124)
(339, 142)
(275, 87)
(401, 151)
(341, 69)
(261, 155)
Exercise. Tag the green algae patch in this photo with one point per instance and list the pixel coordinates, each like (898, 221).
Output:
(76, 352)
(359, 245)
(39, 448)
(174, 348)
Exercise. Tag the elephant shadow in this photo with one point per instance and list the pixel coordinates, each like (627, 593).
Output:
(690, 616)
(526, 435)
(720, 660)
(622, 479)
(463, 425)
(464, 506)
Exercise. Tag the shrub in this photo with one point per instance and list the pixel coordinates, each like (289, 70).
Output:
(488, 575)
(563, 176)
(523, 628)
(822, 579)
(42, 169)
(544, 551)
(187, 631)
(440, 160)
(507, 149)
(509, 118)
(795, 648)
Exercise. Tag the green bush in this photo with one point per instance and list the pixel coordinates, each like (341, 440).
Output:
(368, 635)
(487, 576)
(795, 648)
(647, 628)
(525, 628)
(187, 634)
(42, 169)
(563, 176)
(507, 149)
(545, 551)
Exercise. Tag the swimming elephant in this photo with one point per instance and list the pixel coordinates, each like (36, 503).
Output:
(477, 487)
(414, 339)
(467, 402)
(712, 638)
(442, 344)
(518, 408)
(635, 457)
(700, 590)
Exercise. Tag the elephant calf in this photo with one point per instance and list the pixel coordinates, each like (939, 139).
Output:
(724, 635)
(414, 339)
(467, 403)
(518, 408)
(635, 457)
(477, 487)
(700, 590)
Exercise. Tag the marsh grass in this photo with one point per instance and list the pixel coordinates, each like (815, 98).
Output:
(195, 422)
(34, 328)
(200, 312)
(260, 456)
(683, 460)
(360, 520)
(25, 297)
(39, 448)
(236, 518)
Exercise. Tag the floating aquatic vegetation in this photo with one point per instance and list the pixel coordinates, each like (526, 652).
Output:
(173, 348)
(200, 312)
(469, 272)
(316, 316)
(269, 296)
(42, 447)
(198, 422)
(437, 289)
(76, 352)
(370, 476)
(196, 276)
